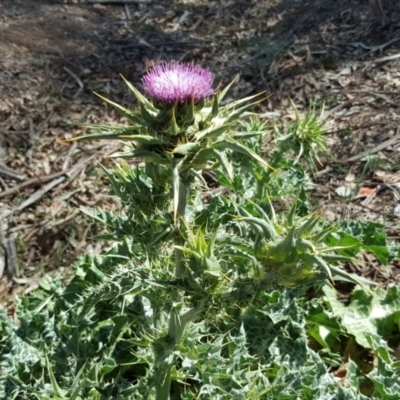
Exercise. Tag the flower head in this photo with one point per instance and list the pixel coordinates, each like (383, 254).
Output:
(178, 82)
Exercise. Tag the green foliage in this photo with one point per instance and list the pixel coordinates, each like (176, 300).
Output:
(225, 297)
(359, 235)
(376, 313)
(305, 136)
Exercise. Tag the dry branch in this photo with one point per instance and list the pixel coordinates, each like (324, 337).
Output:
(376, 149)
(11, 173)
(32, 181)
(39, 193)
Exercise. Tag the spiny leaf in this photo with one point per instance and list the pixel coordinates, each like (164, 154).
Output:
(212, 132)
(225, 163)
(185, 148)
(174, 128)
(240, 148)
(60, 393)
(358, 280)
(147, 115)
(308, 225)
(222, 94)
(140, 98)
(176, 187)
(149, 156)
(234, 104)
(201, 158)
(266, 227)
(123, 111)
(263, 213)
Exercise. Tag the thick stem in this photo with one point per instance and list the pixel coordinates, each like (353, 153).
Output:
(177, 324)
(177, 321)
(164, 387)
(180, 269)
(273, 162)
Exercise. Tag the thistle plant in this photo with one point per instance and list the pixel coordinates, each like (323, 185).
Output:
(180, 132)
(178, 83)
(178, 293)
(305, 137)
(183, 130)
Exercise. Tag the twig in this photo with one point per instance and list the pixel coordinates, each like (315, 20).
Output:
(3, 183)
(77, 80)
(329, 113)
(11, 174)
(8, 256)
(127, 12)
(31, 132)
(384, 59)
(380, 94)
(69, 154)
(39, 193)
(12, 265)
(376, 149)
(2, 260)
(143, 43)
(32, 181)
(373, 49)
(43, 123)
(323, 171)
(64, 220)
(3, 253)
(73, 172)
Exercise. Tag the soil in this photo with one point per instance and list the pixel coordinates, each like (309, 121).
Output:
(54, 54)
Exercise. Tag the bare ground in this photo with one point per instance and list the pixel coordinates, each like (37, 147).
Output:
(54, 54)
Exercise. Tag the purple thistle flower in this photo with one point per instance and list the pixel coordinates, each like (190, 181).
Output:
(173, 82)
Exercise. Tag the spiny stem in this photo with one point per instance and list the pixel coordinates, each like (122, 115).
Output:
(177, 324)
(177, 321)
(164, 387)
